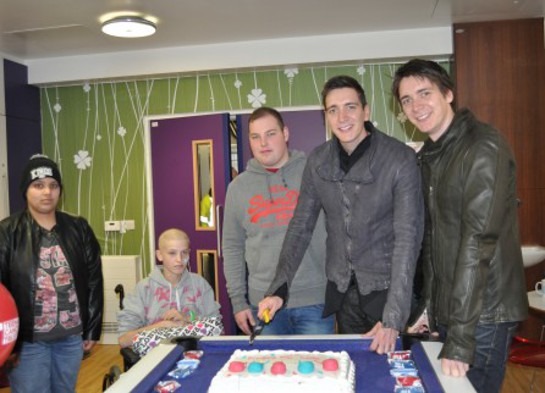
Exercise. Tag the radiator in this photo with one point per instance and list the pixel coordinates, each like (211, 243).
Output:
(116, 270)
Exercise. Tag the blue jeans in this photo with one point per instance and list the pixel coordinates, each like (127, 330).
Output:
(492, 348)
(48, 366)
(299, 320)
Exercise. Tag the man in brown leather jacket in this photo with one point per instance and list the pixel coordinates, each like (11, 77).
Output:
(474, 286)
(50, 262)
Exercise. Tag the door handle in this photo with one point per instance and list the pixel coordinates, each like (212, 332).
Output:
(218, 229)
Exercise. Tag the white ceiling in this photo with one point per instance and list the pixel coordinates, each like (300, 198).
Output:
(41, 29)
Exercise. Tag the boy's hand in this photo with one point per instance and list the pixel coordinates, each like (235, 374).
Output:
(175, 316)
(421, 325)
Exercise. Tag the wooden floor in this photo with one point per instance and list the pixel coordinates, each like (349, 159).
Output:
(96, 366)
(93, 369)
(518, 378)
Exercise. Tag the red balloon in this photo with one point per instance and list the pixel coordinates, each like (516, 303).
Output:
(9, 324)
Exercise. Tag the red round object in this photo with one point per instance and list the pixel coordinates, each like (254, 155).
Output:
(330, 365)
(9, 324)
(236, 366)
(278, 368)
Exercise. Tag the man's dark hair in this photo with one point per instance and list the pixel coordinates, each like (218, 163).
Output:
(340, 82)
(266, 111)
(427, 69)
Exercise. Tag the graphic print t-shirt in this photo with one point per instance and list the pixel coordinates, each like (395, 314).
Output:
(274, 210)
(56, 311)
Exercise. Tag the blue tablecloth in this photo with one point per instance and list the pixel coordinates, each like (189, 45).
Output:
(372, 370)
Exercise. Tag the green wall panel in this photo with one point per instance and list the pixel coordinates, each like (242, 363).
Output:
(95, 130)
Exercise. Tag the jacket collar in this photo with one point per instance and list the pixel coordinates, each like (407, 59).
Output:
(36, 230)
(456, 131)
(362, 171)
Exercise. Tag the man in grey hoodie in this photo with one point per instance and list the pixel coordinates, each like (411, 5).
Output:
(258, 208)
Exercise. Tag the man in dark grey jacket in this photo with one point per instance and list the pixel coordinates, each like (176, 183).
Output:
(474, 286)
(368, 184)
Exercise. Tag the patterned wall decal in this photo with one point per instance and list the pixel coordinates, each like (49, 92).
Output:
(95, 130)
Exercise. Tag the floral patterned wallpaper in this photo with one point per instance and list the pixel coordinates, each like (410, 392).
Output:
(96, 130)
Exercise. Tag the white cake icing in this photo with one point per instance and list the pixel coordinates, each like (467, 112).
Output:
(292, 381)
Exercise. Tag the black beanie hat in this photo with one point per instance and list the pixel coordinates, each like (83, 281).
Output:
(38, 167)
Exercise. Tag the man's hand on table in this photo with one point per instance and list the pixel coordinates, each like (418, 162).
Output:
(384, 339)
(454, 368)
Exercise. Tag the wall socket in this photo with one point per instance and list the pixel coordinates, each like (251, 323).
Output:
(110, 226)
(128, 225)
(119, 226)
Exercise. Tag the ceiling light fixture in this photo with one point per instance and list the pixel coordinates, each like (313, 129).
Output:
(129, 27)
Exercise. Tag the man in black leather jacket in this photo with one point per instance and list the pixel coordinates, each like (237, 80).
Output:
(50, 262)
(474, 285)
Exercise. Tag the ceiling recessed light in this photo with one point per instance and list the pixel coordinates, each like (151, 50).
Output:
(129, 27)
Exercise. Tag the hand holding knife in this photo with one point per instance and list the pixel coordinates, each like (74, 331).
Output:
(256, 330)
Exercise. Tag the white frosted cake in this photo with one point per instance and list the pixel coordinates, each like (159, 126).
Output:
(286, 372)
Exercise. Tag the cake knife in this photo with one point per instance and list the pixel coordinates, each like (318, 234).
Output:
(256, 330)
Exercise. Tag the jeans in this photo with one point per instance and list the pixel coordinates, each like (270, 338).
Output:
(48, 366)
(299, 320)
(492, 348)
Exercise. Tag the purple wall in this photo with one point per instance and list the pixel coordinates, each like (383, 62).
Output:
(23, 126)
